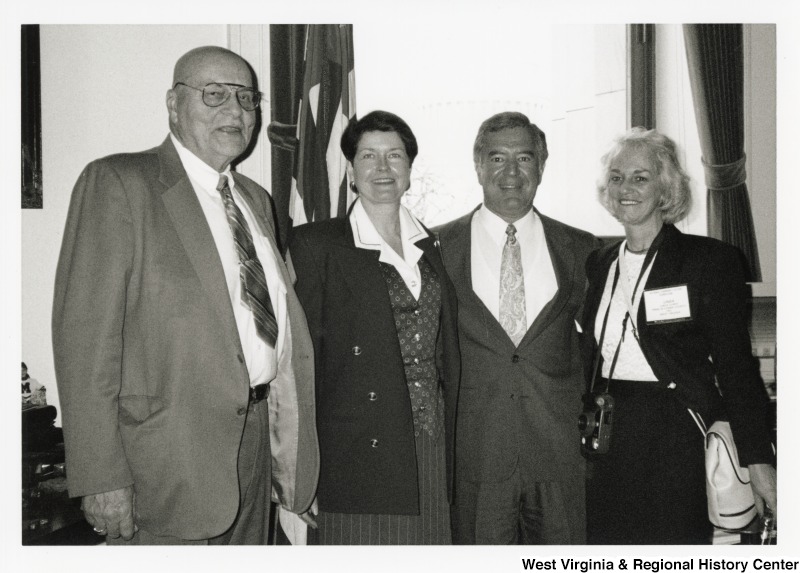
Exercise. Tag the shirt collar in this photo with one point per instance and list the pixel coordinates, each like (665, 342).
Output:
(198, 170)
(496, 227)
(366, 236)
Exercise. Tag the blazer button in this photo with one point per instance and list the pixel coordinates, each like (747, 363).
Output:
(515, 358)
(240, 358)
(374, 443)
(357, 350)
(672, 385)
(372, 396)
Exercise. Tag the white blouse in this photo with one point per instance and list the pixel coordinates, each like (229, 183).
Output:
(631, 363)
(366, 236)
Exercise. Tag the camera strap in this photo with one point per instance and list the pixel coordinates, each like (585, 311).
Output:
(645, 271)
(599, 352)
(634, 297)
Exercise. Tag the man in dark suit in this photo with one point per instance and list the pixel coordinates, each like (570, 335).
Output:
(520, 280)
(184, 362)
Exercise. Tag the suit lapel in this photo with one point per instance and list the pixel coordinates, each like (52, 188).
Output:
(562, 256)
(361, 270)
(459, 247)
(668, 260)
(431, 250)
(457, 250)
(597, 277)
(666, 266)
(192, 228)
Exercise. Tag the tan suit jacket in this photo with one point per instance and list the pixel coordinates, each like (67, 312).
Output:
(151, 373)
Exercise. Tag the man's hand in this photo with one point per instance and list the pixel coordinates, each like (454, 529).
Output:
(310, 516)
(111, 513)
(763, 481)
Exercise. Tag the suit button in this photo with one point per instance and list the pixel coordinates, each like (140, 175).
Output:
(240, 358)
(416, 361)
(417, 336)
(357, 350)
(672, 385)
(374, 443)
(416, 312)
(515, 358)
(241, 411)
(372, 396)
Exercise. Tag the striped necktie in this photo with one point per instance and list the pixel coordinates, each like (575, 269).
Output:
(512, 289)
(254, 283)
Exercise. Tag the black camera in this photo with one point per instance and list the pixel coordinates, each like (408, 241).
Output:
(595, 423)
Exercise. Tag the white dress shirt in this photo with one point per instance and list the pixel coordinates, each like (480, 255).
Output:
(489, 238)
(366, 236)
(260, 358)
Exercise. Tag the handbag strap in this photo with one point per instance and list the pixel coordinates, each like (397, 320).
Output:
(698, 419)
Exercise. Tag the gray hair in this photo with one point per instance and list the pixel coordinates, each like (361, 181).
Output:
(676, 195)
(510, 120)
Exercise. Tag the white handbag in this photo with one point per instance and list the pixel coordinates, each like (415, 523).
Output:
(730, 499)
(731, 504)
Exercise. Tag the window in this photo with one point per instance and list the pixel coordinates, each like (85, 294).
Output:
(568, 79)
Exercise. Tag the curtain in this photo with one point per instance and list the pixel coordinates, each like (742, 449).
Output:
(313, 101)
(287, 44)
(642, 76)
(715, 58)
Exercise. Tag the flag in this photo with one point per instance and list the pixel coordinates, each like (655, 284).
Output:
(319, 186)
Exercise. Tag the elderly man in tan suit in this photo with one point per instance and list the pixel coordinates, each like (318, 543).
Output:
(183, 358)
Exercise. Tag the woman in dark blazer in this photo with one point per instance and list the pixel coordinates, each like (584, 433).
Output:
(669, 313)
(382, 315)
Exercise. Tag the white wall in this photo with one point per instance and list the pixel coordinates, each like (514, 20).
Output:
(760, 146)
(103, 92)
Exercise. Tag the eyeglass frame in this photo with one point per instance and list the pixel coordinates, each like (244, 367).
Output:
(232, 89)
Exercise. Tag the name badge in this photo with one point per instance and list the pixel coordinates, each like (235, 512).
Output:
(668, 304)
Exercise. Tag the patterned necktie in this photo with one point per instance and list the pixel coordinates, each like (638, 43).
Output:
(512, 289)
(254, 283)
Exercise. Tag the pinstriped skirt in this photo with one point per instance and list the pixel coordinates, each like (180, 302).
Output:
(430, 527)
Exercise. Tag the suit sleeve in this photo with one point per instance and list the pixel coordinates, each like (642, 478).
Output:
(724, 322)
(88, 315)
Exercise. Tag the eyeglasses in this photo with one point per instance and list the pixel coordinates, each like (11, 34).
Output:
(215, 94)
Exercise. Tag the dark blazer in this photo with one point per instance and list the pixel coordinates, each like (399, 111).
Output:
(679, 352)
(357, 353)
(152, 382)
(519, 405)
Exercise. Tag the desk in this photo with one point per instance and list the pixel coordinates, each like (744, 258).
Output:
(52, 518)
(49, 516)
